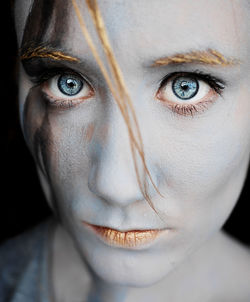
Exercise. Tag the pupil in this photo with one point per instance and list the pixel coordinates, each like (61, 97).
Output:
(70, 84)
(185, 87)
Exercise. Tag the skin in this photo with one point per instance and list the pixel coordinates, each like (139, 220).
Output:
(198, 163)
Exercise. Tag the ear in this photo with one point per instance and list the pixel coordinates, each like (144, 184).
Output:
(21, 11)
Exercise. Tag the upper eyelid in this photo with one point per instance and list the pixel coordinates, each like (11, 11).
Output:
(197, 73)
(50, 73)
(60, 71)
(86, 68)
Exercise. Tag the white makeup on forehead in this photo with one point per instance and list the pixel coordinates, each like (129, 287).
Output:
(180, 28)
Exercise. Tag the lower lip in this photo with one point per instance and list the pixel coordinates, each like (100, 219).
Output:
(128, 239)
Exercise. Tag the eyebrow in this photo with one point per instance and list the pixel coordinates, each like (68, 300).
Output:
(207, 57)
(41, 51)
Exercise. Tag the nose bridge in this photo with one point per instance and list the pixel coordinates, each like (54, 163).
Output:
(112, 175)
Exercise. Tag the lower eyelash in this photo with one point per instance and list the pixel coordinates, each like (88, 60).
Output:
(62, 104)
(191, 109)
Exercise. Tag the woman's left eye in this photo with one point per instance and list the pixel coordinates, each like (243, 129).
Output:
(67, 90)
(185, 88)
(187, 94)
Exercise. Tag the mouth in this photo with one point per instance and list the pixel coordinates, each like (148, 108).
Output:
(127, 239)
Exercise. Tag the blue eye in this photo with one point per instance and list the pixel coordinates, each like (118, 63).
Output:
(185, 87)
(69, 84)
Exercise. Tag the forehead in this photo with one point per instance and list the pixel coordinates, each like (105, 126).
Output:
(139, 28)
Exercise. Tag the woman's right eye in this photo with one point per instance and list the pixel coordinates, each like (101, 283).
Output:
(67, 90)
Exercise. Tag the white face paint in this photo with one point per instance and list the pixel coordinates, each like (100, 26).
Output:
(198, 162)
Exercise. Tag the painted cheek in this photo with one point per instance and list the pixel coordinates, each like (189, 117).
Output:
(43, 135)
(33, 116)
(38, 131)
(103, 133)
(89, 132)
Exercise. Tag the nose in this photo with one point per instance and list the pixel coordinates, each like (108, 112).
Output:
(112, 175)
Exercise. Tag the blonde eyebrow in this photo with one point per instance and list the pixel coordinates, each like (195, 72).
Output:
(45, 52)
(209, 57)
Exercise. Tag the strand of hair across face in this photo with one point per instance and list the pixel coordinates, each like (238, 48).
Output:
(121, 87)
(122, 106)
(122, 98)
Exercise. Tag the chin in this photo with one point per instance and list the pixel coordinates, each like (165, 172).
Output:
(127, 267)
(139, 276)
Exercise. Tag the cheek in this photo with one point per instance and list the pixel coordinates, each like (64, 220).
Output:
(58, 142)
(198, 155)
(89, 132)
(37, 129)
(203, 162)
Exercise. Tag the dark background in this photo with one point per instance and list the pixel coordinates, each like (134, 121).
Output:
(22, 202)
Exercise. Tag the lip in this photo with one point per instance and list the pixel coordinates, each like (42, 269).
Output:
(125, 239)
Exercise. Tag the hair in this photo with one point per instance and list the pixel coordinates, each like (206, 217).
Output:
(119, 92)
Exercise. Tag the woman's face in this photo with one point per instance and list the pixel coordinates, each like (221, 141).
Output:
(193, 116)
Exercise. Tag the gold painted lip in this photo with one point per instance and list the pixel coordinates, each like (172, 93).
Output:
(126, 239)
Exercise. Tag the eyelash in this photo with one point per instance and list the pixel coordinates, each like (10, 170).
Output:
(191, 109)
(186, 110)
(46, 74)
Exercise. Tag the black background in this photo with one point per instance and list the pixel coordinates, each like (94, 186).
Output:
(22, 202)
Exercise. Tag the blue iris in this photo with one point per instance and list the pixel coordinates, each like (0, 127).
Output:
(185, 87)
(69, 84)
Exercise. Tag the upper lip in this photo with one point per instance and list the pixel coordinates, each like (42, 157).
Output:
(129, 229)
(132, 238)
